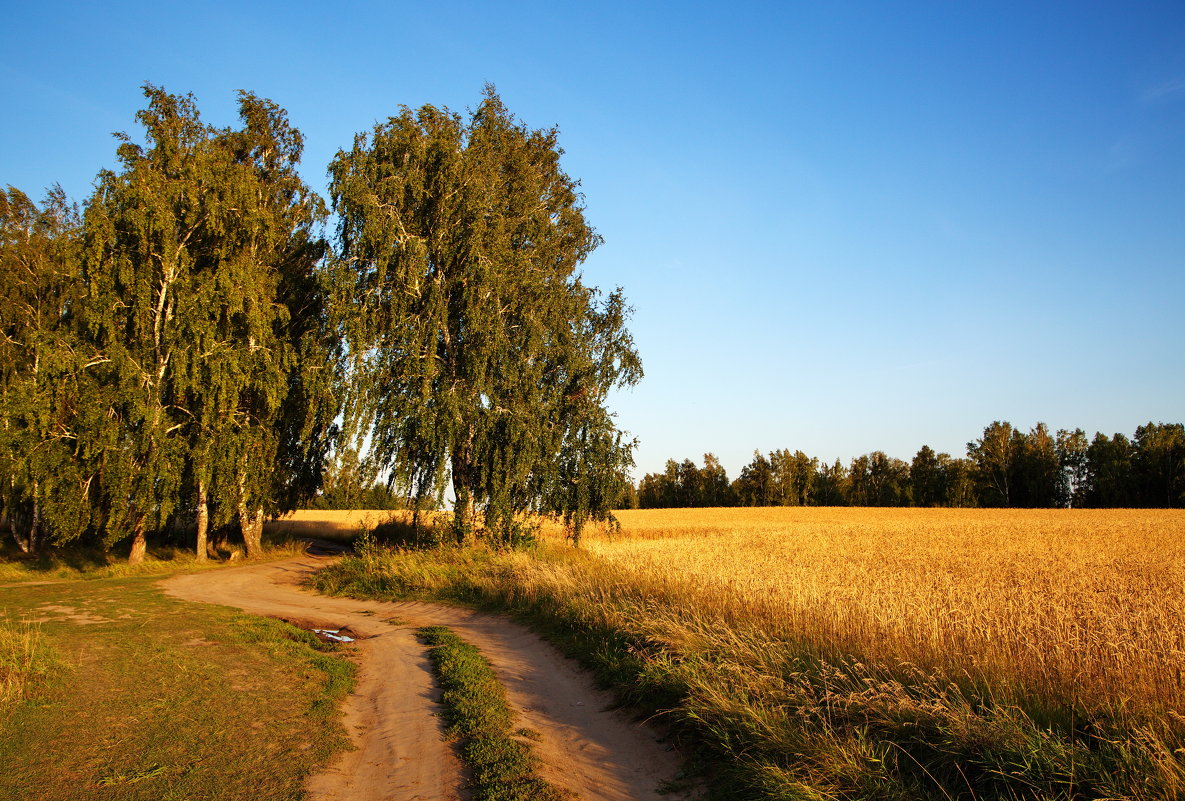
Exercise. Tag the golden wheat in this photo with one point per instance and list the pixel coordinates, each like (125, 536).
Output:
(328, 523)
(1080, 606)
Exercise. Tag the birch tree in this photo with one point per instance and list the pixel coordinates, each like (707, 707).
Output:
(478, 356)
(201, 265)
(44, 494)
(259, 385)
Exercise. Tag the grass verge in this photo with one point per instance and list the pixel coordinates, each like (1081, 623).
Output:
(778, 719)
(140, 696)
(501, 767)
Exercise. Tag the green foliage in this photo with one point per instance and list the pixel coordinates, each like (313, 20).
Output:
(141, 259)
(925, 473)
(477, 354)
(1158, 464)
(170, 349)
(1071, 453)
(44, 392)
(1014, 469)
(755, 485)
(349, 483)
(995, 456)
(876, 479)
(685, 485)
(1109, 466)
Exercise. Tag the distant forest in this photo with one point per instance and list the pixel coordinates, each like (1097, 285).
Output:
(1005, 468)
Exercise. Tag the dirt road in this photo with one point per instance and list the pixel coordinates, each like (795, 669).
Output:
(400, 752)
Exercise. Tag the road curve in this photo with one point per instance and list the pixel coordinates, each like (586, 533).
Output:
(400, 755)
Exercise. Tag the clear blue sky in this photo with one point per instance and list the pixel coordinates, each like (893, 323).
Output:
(844, 226)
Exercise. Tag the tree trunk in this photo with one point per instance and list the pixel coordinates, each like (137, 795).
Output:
(17, 537)
(464, 503)
(139, 544)
(251, 526)
(257, 532)
(464, 512)
(35, 523)
(244, 522)
(217, 543)
(203, 521)
(17, 525)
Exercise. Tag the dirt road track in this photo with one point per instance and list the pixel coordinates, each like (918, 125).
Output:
(400, 754)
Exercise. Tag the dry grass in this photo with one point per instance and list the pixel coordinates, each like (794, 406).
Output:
(23, 660)
(1087, 607)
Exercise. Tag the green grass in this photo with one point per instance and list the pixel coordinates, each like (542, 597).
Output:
(139, 696)
(774, 720)
(501, 767)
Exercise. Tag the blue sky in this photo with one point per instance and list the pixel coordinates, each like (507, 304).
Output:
(844, 226)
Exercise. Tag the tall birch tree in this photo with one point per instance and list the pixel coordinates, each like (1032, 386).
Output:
(478, 356)
(261, 384)
(143, 266)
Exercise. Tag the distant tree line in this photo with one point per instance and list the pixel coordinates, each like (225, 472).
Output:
(188, 352)
(1005, 468)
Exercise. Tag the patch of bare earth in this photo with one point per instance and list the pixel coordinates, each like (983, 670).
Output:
(79, 616)
(584, 747)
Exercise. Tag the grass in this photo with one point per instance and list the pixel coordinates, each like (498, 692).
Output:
(501, 766)
(25, 660)
(867, 654)
(138, 696)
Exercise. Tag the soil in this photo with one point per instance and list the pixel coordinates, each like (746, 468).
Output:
(584, 746)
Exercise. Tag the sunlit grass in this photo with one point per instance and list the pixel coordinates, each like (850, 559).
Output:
(137, 696)
(500, 762)
(74, 562)
(25, 660)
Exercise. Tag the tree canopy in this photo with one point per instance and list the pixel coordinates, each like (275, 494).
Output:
(479, 359)
(170, 351)
(200, 266)
(42, 488)
(178, 353)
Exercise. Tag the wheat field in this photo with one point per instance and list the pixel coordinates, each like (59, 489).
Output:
(820, 653)
(328, 523)
(1082, 606)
